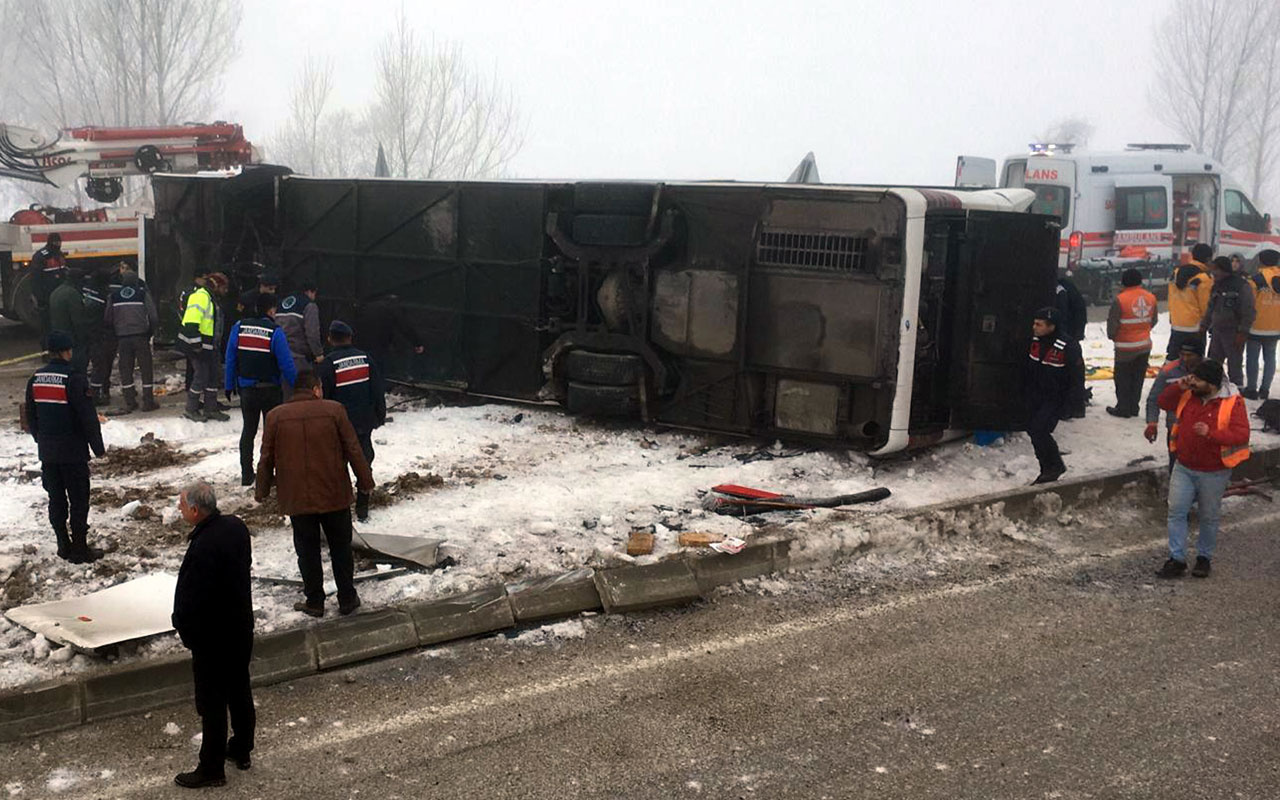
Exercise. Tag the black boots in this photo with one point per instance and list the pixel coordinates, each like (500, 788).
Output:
(101, 396)
(198, 779)
(130, 399)
(362, 506)
(149, 399)
(1172, 569)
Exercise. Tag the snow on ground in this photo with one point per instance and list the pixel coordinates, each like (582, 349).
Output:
(515, 491)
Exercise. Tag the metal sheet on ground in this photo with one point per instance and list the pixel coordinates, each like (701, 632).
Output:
(331, 588)
(130, 610)
(414, 549)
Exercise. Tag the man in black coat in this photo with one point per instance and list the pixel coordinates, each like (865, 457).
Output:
(351, 377)
(1051, 368)
(61, 418)
(1073, 314)
(213, 613)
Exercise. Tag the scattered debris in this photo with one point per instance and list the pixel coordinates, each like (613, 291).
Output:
(698, 539)
(151, 454)
(129, 610)
(740, 507)
(1135, 462)
(730, 545)
(639, 543)
(412, 549)
(408, 483)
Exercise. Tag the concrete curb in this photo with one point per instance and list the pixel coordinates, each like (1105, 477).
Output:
(286, 655)
(461, 616)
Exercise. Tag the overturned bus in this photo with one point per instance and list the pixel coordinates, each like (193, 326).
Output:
(870, 317)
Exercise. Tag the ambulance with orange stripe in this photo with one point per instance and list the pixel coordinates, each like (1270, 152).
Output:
(1142, 207)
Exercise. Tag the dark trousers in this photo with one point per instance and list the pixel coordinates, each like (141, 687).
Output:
(366, 445)
(204, 381)
(1129, 375)
(1075, 393)
(136, 349)
(102, 357)
(306, 543)
(68, 488)
(1223, 349)
(221, 677)
(80, 352)
(255, 402)
(1044, 419)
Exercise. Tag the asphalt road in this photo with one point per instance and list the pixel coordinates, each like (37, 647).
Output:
(1035, 676)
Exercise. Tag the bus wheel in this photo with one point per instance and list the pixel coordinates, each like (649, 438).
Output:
(607, 369)
(603, 401)
(24, 302)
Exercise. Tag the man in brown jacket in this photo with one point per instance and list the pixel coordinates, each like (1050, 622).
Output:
(306, 447)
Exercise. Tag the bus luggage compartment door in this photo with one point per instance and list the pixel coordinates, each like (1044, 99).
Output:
(1008, 269)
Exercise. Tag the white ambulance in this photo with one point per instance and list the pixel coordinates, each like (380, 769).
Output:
(1142, 207)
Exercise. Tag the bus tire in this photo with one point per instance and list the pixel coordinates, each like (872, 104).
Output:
(603, 401)
(24, 301)
(605, 369)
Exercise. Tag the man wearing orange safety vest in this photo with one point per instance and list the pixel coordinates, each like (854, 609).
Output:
(1133, 314)
(1265, 330)
(1189, 292)
(1210, 436)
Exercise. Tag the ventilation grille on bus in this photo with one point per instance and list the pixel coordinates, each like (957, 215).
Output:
(826, 252)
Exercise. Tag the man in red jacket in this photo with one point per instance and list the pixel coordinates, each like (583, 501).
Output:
(1209, 437)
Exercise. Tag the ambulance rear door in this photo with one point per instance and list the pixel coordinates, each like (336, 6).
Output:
(1144, 224)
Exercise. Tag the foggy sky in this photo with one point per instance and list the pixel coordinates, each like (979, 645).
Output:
(882, 92)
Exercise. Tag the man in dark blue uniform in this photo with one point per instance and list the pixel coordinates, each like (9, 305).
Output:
(61, 417)
(257, 360)
(47, 266)
(1051, 369)
(349, 376)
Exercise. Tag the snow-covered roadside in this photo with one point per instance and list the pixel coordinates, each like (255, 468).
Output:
(521, 492)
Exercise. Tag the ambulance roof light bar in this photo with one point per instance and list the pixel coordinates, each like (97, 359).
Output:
(1177, 148)
(1051, 148)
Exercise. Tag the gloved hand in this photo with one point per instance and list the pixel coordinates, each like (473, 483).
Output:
(1151, 432)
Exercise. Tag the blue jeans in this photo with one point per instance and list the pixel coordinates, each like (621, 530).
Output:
(1205, 489)
(1266, 345)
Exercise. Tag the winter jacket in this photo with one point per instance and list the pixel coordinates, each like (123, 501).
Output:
(1052, 366)
(131, 311)
(212, 603)
(197, 322)
(1266, 302)
(1230, 306)
(258, 353)
(1204, 453)
(1171, 372)
(349, 376)
(299, 316)
(1133, 314)
(66, 312)
(61, 416)
(1074, 310)
(306, 448)
(47, 266)
(1189, 296)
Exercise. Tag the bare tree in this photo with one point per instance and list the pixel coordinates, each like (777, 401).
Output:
(127, 62)
(1069, 130)
(1205, 51)
(436, 115)
(1262, 124)
(297, 144)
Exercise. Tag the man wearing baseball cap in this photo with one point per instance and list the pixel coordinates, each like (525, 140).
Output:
(1210, 436)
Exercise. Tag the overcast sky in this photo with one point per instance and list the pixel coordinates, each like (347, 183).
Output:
(882, 92)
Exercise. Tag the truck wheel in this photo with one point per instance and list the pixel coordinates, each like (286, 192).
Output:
(606, 369)
(603, 401)
(24, 302)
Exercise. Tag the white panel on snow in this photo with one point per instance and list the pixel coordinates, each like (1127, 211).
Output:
(130, 610)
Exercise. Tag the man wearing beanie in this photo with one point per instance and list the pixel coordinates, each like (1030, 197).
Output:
(1051, 366)
(1210, 436)
(61, 417)
(349, 376)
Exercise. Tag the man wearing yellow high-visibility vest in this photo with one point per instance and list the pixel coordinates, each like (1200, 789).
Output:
(1210, 436)
(1265, 330)
(196, 343)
